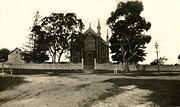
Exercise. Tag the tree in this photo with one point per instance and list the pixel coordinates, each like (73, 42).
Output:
(179, 57)
(59, 29)
(30, 45)
(27, 57)
(4, 54)
(77, 45)
(161, 61)
(128, 38)
(37, 46)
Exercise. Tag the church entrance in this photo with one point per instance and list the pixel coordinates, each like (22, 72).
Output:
(89, 61)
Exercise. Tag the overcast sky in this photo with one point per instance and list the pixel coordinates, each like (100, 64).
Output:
(16, 16)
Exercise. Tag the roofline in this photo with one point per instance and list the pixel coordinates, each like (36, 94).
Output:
(14, 50)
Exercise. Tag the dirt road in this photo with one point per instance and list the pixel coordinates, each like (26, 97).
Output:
(73, 90)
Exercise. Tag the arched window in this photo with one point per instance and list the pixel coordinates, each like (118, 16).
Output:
(89, 43)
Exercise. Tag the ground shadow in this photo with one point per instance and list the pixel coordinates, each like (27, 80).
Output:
(59, 74)
(110, 92)
(135, 74)
(151, 74)
(79, 87)
(165, 92)
(50, 72)
(8, 82)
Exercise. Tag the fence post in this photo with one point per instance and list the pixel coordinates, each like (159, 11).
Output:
(3, 69)
(94, 63)
(82, 63)
(11, 69)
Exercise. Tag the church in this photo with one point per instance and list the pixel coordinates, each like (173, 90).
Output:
(94, 48)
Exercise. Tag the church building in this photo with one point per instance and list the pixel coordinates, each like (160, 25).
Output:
(94, 48)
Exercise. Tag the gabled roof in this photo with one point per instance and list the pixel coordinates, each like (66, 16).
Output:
(91, 31)
(14, 50)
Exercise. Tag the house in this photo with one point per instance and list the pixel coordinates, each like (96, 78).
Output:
(15, 57)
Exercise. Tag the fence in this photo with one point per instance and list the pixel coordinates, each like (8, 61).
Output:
(97, 67)
(45, 66)
(110, 67)
(148, 68)
(166, 68)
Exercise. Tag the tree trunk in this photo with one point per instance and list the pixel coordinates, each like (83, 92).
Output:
(125, 66)
(54, 58)
(137, 67)
(124, 60)
(59, 58)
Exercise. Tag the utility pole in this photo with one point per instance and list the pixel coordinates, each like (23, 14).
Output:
(157, 52)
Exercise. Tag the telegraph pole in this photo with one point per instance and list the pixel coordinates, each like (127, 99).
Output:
(157, 52)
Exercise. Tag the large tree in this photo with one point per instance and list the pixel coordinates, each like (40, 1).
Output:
(77, 45)
(4, 54)
(36, 47)
(31, 43)
(59, 29)
(128, 37)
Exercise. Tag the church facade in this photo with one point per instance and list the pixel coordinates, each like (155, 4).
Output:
(94, 48)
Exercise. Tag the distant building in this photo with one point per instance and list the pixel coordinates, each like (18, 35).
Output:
(15, 57)
(94, 48)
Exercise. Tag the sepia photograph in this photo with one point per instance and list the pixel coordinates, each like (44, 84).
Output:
(89, 53)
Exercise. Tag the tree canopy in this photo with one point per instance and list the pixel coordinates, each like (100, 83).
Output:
(179, 57)
(53, 35)
(59, 29)
(160, 61)
(4, 54)
(128, 39)
(36, 47)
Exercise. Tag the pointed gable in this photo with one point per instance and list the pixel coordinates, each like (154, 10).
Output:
(16, 49)
(91, 31)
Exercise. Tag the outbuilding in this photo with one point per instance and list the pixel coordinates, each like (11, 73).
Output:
(15, 57)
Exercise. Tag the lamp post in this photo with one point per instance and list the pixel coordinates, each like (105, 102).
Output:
(156, 47)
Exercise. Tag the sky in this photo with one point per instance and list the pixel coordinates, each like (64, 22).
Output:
(16, 18)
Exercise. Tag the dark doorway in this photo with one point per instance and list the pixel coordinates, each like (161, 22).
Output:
(89, 61)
